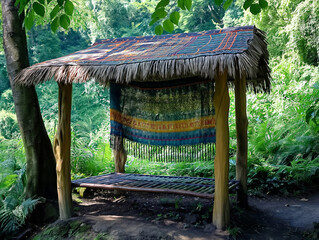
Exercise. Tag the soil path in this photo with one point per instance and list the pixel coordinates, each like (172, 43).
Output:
(296, 212)
(137, 216)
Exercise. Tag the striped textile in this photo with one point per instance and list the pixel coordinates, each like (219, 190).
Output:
(164, 113)
(166, 47)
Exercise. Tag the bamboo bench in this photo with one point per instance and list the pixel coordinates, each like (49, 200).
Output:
(191, 186)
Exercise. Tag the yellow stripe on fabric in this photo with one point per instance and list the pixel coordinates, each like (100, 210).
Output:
(163, 126)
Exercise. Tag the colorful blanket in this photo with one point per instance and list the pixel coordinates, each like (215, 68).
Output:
(163, 113)
(165, 47)
(240, 50)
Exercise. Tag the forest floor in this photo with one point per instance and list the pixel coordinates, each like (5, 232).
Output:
(145, 216)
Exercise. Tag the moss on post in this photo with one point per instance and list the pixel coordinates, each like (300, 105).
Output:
(221, 212)
(62, 151)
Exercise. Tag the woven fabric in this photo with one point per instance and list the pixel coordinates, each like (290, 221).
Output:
(166, 47)
(163, 114)
(241, 51)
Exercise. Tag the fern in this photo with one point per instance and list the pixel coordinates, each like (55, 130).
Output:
(14, 208)
(14, 215)
(8, 221)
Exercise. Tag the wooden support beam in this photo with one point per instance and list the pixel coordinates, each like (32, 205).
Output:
(221, 212)
(120, 157)
(62, 151)
(242, 142)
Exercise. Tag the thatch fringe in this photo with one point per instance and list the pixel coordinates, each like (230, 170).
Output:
(253, 63)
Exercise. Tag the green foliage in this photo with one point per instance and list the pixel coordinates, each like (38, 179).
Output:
(305, 32)
(159, 30)
(63, 230)
(312, 113)
(120, 19)
(283, 126)
(168, 26)
(168, 22)
(14, 208)
(4, 81)
(174, 17)
(265, 177)
(191, 169)
(8, 125)
(204, 15)
(162, 9)
(60, 11)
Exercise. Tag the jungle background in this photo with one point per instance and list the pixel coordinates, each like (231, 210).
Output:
(283, 125)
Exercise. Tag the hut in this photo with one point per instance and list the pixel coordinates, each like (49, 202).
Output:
(232, 57)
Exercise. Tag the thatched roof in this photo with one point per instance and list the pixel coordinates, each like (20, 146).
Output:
(161, 58)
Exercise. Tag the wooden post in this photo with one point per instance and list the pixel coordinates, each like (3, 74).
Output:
(221, 212)
(62, 151)
(120, 157)
(242, 143)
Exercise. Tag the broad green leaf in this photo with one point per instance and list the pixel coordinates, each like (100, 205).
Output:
(218, 2)
(55, 24)
(159, 30)
(48, 1)
(8, 181)
(154, 20)
(68, 7)
(247, 4)
(263, 4)
(162, 3)
(16, 3)
(168, 26)
(21, 9)
(55, 11)
(227, 4)
(255, 9)
(42, 1)
(60, 2)
(188, 4)
(174, 17)
(64, 21)
(181, 4)
(159, 13)
(39, 9)
(28, 21)
(22, 6)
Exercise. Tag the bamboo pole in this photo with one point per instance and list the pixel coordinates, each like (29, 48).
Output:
(242, 142)
(221, 212)
(120, 157)
(62, 151)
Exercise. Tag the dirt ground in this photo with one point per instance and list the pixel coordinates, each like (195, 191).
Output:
(106, 215)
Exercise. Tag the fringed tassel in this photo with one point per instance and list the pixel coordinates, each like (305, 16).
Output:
(188, 153)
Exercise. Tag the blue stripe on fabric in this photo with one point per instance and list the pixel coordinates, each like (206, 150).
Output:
(207, 135)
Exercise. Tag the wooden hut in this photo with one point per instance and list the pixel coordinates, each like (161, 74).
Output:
(233, 57)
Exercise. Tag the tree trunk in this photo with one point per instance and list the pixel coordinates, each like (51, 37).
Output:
(41, 176)
(242, 143)
(221, 214)
(62, 151)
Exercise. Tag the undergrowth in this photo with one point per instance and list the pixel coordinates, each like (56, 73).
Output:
(14, 206)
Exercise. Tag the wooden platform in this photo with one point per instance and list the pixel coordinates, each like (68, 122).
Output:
(192, 186)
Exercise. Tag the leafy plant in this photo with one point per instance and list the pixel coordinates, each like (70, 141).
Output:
(169, 19)
(60, 12)
(14, 208)
(312, 113)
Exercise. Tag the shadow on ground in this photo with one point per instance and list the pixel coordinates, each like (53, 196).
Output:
(132, 216)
